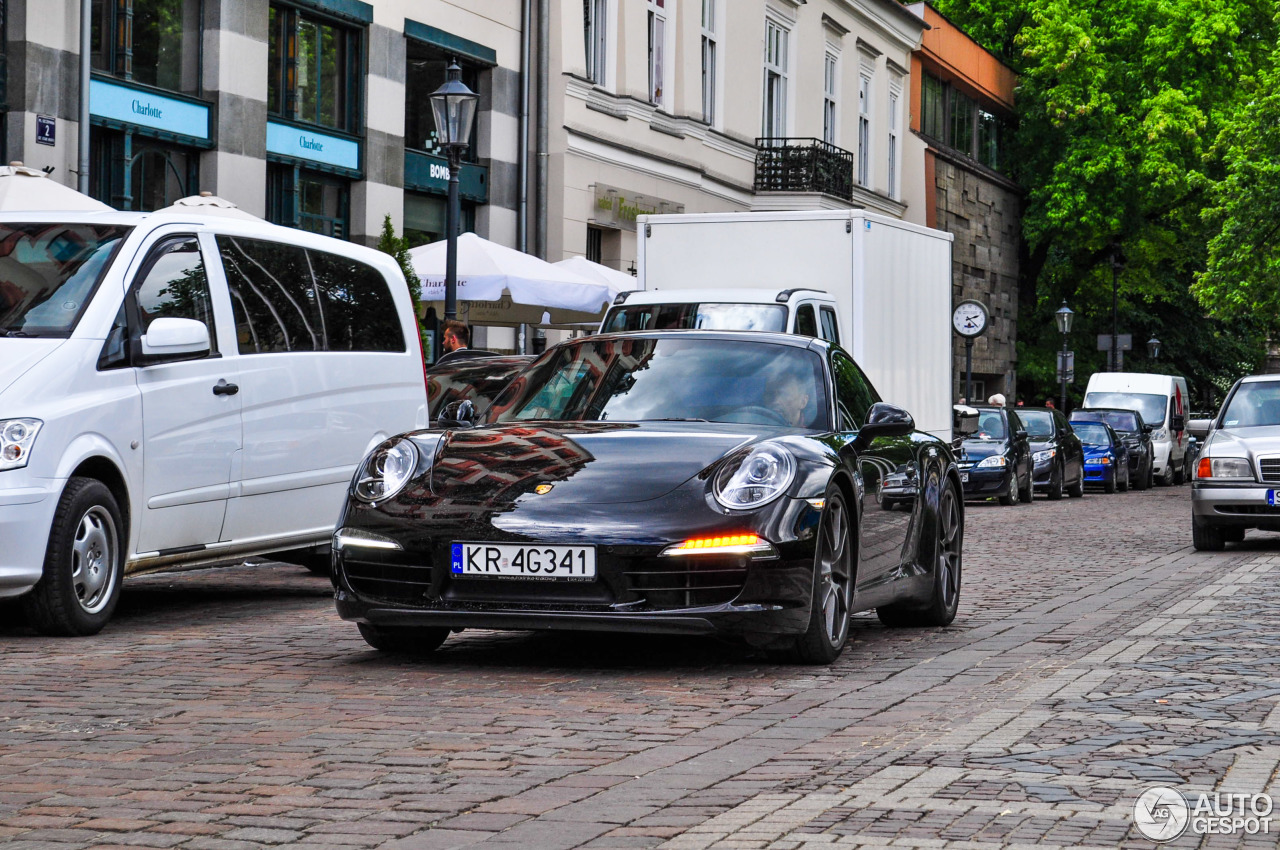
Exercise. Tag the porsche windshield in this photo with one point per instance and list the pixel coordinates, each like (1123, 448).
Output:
(632, 380)
(48, 272)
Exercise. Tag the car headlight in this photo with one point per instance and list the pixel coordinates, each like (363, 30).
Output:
(1159, 434)
(1105, 460)
(992, 462)
(1045, 456)
(386, 470)
(754, 478)
(1224, 467)
(16, 438)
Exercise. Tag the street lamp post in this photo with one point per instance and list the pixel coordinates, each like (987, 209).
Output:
(1153, 348)
(1063, 316)
(1117, 266)
(454, 107)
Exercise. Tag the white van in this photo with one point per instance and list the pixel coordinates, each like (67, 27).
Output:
(808, 312)
(1162, 401)
(183, 389)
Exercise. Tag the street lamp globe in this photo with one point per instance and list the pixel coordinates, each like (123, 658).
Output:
(1153, 348)
(1063, 317)
(454, 107)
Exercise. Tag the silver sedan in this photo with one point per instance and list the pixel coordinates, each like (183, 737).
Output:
(1237, 477)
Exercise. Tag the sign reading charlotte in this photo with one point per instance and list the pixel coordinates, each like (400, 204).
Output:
(619, 209)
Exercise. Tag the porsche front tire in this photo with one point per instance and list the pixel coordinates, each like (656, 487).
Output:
(948, 547)
(833, 569)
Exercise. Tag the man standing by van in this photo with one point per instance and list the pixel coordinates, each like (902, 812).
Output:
(454, 339)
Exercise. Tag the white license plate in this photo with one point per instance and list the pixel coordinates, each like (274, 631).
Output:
(964, 478)
(506, 560)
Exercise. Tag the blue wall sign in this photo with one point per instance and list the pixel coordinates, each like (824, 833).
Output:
(46, 130)
(147, 109)
(291, 141)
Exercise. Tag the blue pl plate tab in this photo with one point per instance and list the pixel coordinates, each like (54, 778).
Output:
(1271, 498)
(457, 557)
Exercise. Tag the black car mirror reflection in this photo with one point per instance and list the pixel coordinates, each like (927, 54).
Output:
(884, 420)
(457, 415)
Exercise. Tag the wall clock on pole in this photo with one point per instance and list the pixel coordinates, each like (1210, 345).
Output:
(970, 318)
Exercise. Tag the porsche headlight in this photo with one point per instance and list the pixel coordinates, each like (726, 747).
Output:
(1044, 456)
(386, 470)
(990, 462)
(754, 478)
(16, 438)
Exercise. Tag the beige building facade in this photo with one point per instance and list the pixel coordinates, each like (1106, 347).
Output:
(725, 105)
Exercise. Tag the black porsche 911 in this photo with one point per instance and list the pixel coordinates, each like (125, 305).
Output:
(680, 482)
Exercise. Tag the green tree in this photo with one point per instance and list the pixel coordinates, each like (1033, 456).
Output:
(398, 247)
(1119, 108)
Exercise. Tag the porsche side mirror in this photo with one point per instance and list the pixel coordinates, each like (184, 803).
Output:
(884, 420)
(457, 415)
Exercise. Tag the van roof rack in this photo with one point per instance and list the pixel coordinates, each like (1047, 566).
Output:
(785, 295)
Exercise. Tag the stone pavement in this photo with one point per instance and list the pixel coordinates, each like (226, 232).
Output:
(1095, 655)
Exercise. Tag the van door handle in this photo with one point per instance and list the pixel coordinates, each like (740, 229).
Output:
(223, 388)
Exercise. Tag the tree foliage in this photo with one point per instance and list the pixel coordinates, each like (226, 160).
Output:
(1120, 111)
(398, 247)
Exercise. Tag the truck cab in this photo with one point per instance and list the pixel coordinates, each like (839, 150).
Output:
(806, 312)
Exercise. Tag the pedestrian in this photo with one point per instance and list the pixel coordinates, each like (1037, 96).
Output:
(1020, 403)
(1048, 402)
(996, 399)
(454, 339)
(963, 400)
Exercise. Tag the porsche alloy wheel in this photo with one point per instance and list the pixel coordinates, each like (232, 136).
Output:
(947, 570)
(832, 586)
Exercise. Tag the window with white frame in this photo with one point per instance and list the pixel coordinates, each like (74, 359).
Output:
(774, 124)
(830, 74)
(864, 129)
(657, 51)
(595, 30)
(895, 110)
(710, 44)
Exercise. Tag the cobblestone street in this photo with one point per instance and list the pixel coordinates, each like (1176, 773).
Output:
(1095, 655)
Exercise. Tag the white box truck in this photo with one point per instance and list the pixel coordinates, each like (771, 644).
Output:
(891, 282)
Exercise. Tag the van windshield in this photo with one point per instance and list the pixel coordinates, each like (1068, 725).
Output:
(48, 273)
(1151, 406)
(706, 316)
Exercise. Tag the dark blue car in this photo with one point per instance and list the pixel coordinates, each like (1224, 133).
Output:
(1106, 457)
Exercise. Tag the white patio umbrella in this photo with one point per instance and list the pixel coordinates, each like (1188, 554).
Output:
(25, 189)
(207, 203)
(501, 286)
(614, 279)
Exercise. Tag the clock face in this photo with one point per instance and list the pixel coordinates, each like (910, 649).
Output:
(969, 318)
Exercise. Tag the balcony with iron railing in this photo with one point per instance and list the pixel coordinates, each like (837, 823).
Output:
(803, 165)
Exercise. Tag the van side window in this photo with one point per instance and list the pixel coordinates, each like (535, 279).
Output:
(356, 305)
(172, 284)
(273, 297)
(829, 327)
(854, 393)
(806, 322)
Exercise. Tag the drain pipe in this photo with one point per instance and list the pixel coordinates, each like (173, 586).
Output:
(522, 209)
(544, 71)
(86, 26)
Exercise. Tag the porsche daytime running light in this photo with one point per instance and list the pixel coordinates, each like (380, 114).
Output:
(992, 462)
(1224, 467)
(728, 544)
(754, 478)
(1045, 456)
(386, 470)
(16, 438)
(353, 538)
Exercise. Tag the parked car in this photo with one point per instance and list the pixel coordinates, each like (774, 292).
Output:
(478, 380)
(1237, 481)
(1135, 433)
(1162, 400)
(182, 389)
(681, 482)
(1056, 453)
(995, 460)
(1106, 458)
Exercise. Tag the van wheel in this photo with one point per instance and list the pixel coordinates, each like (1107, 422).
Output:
(83, 564)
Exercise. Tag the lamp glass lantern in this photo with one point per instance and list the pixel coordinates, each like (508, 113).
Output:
(1153, 348)
(454, 107)
(1063, 316)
